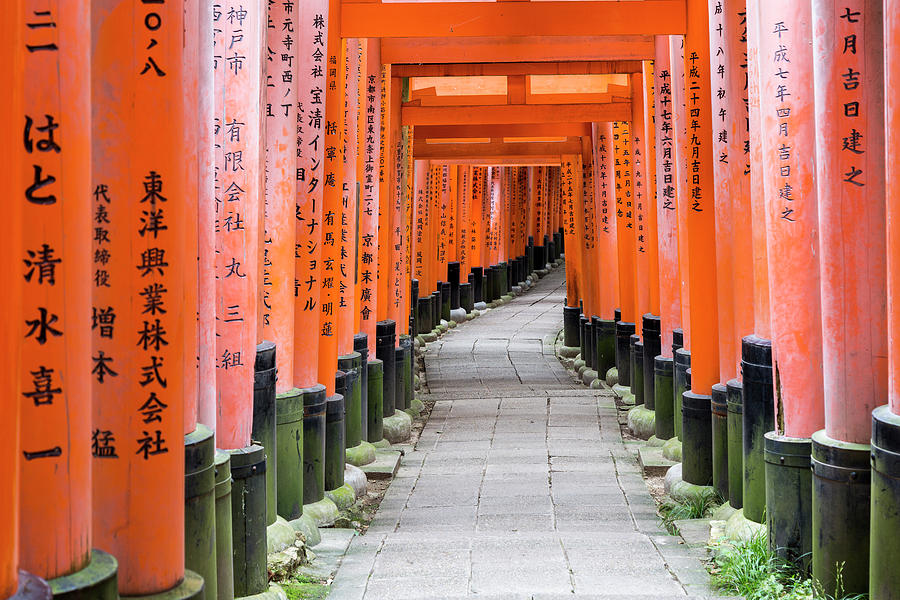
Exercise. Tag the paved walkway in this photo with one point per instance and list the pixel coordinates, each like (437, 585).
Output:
(520, 485)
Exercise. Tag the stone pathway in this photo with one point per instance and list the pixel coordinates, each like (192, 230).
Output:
(520, 485)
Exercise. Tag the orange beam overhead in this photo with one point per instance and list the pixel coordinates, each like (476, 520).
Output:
(504, 161)
(529, 49)
(531, 113)
(603, 67)
(472, 19)
(424, 132)
(424, 150)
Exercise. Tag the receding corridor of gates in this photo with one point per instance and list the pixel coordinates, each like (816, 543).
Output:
(520, 485)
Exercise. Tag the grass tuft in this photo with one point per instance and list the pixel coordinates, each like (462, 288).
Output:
(751, 570)
(695, 507)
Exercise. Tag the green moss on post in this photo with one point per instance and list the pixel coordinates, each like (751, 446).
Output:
(289, 435)
(200, 506)
(96, 581)
(224, 547)
(248, 520)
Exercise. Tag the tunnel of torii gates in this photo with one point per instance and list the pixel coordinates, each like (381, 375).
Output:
(227, 222)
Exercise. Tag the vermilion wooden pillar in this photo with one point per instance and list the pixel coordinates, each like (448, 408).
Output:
(883, 576)
(311, 179)
(345, 278)
(590, 264)
(281, 192)
(650, 226)
(624, 220)
(463, 219)
(700, 202)
(206, 226)
(679, 129)
(420, 220)
(330, 297)
(11, 110)
(761, 312)
(848, 61)
(787, 114)
(573, 226)
(385, 212)
(139, 361)
(370, 208)
(237, 264)
(604, 186)
(666, 201)
(53, 154)
(640, 199)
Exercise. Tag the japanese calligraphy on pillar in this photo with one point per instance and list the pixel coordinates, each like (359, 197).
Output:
(237, 263)
(281, 186)
(373, 167)
(587, 190)
(55, 268)
(462, 218)
(624, 197)
(349, 216)
(310, 177)
(422, 194)
(603, 185)
(139, 327)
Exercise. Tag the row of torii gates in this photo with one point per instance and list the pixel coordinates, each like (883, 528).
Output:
(203, 193)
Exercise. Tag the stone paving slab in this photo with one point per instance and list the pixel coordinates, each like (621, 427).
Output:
(520, 486)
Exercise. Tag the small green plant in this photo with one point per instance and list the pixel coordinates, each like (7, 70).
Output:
(303, 587)
(750, 569)
(694, 507)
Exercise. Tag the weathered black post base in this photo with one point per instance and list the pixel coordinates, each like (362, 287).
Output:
(224, 548)
(677, 340)
(445, 300)
(637, 369)
(605, 344)
(735, 417)
(884, 576)
(466, 301)
(263, 431)
(759, 418)
(361, 345)
(789, 498)
(719, 418)
(200, 505)
(682, 364)
(587, 350)
(97, 581)
(453, 279)
(335, 448)
(314, 400)
(289, 414)
(375, 401)
(696, 426)
(841, 497)
(571, 326)
(624, 331)
(664, 404)
(385, 340)
(652, 346)
(248, 520)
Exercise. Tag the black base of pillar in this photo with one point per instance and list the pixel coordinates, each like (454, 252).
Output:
(224, 545)
(677, 340)
(423, 315)
(663, 387)
(375, 401)
(841, 511)
(453, 279)
(478, 284)
(248, 520)
(200, 504)
(735, 418)
(587, 347)
(263, 431)
(696, 451)
(652, 344)
(335, 440)
(435, 309)
(605, 344)
(682, 365)
(624, 331)
(884, 576)
(637, 369)
(759, 419)
(445, 301)
(361, 345)
(399, 379)
(385, 341)
(789, 498)
(571, 326)
(719, 417)
(98, 580)
(466, 301)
